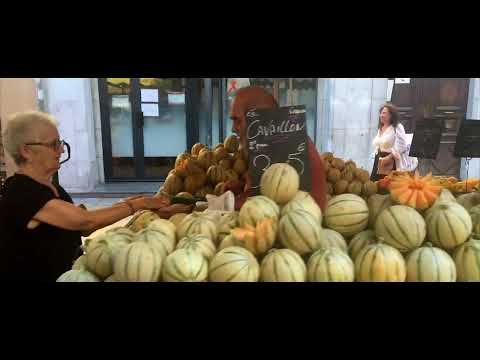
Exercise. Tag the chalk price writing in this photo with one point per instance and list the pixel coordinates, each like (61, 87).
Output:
(263, 161)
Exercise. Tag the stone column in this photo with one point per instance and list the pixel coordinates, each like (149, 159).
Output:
(348, 117)
(16, 94)
(70, 101)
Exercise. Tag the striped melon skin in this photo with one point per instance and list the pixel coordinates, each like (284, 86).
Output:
(334, 239)
(380, 263)
(229, 241)
(78, 276)
(177, 219)
(164, 226)
(280, 183)
(303, 201)
(448, 225)
(300, 231)
(256, 209)
(347, 214)
(196, 224)
(164, 244)
(376, 204)
(141, 220)
(283, 265)
(360, 241)
(118, 236)
(80, 263)
(430, 264)
(475, 215)
(330, 265)
(234, 264)
(100, 260)
(467, 261)
(138, 262)
(184, 265)
(401, 227)
(200, 244)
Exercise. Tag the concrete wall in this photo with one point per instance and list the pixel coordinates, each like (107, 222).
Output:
(348, 117)
(71, 102)
(16, 94)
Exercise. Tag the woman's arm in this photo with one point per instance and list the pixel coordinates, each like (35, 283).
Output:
(67, 216)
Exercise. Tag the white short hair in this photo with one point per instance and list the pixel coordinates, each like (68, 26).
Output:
(24, 128)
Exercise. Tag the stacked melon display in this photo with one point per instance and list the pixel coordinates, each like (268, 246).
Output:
(283, 236)
(343, 177)
(205, 171)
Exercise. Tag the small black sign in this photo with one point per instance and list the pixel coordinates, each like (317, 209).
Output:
(426, 140)
(468, 140)
(278, 136)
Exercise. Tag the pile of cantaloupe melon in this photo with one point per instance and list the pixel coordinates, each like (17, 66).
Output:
(344, 177)
(282, 236)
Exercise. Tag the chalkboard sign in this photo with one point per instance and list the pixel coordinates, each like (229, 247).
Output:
(278, 136)
(468, 140)
(426, 140)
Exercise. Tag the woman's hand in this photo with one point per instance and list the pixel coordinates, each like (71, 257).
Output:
(168, 211)
(154, 203)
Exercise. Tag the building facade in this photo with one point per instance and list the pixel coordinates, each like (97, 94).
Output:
(132, 129)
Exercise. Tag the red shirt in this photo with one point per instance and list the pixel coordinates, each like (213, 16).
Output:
(319, 182)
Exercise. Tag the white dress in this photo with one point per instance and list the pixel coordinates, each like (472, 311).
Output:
(394, 140)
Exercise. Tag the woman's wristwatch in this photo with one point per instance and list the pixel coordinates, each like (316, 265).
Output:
(130, 205)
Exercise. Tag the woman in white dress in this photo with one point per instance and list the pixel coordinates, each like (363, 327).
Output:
(391, 145)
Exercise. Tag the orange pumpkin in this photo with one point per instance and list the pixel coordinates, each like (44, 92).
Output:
(414, 191)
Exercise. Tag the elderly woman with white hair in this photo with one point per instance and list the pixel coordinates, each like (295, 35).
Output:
(40, 226)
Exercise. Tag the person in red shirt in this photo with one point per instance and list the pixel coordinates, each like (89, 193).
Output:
(254, 97)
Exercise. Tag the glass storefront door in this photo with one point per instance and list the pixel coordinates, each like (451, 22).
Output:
(144, 126)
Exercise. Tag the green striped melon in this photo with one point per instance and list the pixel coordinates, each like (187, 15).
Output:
(185, 265)
(196, 224)
(303, 201)
(80, 263)
(164, 226)
(78, 276)
(376, 204)
(346, 214)
(430, 264)
(141, 220)
(229, 241)
(226, 224)
(234, 264)
(448, 225)
(330, 264)
(177, 219)
(280, 183)
(300, 231)
(120, 236)
(101, 256)
(198, 243)
(138, 262)
(475, 215)
(258, 208)
(469, 200)
(401, 227)
(283, 265)
(445, 196)
(163, 242)
(360, 241)
(467, 260)
(335, 239)
(380, 263)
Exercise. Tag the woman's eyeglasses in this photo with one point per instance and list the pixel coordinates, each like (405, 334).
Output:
(54, 145)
